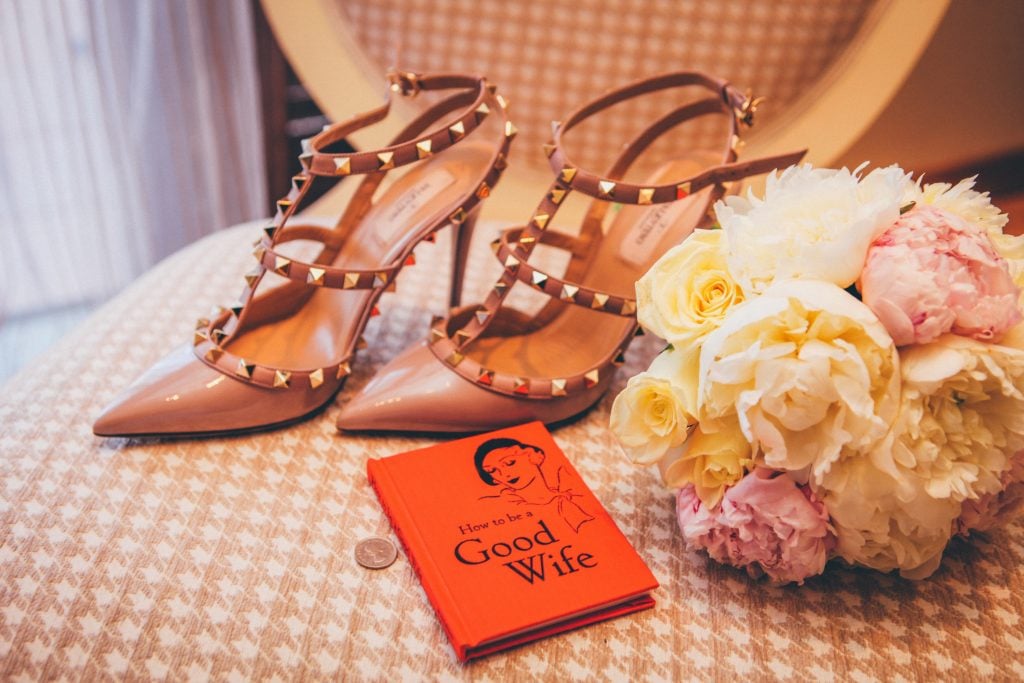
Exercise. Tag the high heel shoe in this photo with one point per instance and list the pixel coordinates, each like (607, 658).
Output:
(489, 366)
(279, 356)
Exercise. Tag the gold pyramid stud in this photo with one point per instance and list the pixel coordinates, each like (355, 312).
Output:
(342, 165)
(510, 130)
(306, 160)
(436, 335)
(281, 379)
(270, 229)
(501, 162)
(361, 344)
(567, 174)
(385, 161)
(315, 276)
(258, 252)
(380, 279)
(485, 376)
(344, 370)
(599, 301)
(410, 260)
(423, 149)
(461, 337)
(492, 88)
(682, 190)
(217, 336)
(628, 307)
(218, 311)
(540, 220)
(591, 378)
(500, 287)
(484, 191)
(645, 196)
(458, 217)
(199, 337)
(502, 102)
(511, 262)
(283, 205)
(244, 369)
(569, 292)
(620, 359)
(252, 276)
(282, 265)
(557, 195)
(392, 286)
(202, 322)
(558, 387)
(482, 316)
(316, 378)
(605, 188)
(736, 144)
(454, 359)
(351, 280)
(299, 181)
(496, 244)
(639, 332)
(539, 279)
(521, 385)
(526, 239)
(236, 309)
(482, 111)
(214, 354)
(304, 143)
(549, 149)
(457, 131)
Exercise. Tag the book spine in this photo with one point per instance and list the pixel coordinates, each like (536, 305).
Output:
(419, 556)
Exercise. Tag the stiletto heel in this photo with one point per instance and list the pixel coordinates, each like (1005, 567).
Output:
(489, 366)
(278, 356)
(462, 237)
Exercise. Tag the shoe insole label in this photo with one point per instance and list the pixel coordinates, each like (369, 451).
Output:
(395, 218)
(645, 235)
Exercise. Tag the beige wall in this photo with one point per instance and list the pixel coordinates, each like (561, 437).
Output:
(965, 99)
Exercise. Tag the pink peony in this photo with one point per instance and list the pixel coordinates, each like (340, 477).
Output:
(766, 523)
(995, 509)
(933, 272)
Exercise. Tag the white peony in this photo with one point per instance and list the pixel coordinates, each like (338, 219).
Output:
(961, 416)
(814, 224)
(809, 373)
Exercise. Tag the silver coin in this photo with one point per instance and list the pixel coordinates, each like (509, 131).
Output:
(376, 552)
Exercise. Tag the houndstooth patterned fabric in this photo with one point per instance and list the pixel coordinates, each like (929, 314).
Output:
(232, 558)
(549, 58)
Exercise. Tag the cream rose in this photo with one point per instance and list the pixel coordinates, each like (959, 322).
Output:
(808, 372)
(711, 462)
(961, 415)
(654, 411)
(814, 224)
(688, 291)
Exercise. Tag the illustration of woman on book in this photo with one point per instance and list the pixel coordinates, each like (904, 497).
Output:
(518, 468)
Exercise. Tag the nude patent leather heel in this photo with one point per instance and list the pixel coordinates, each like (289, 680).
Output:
(488, 365)
(282, 353)
(462, 238)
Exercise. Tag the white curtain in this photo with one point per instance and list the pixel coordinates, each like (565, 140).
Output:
(128, 128)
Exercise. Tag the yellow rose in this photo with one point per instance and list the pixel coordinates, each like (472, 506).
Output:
(711, 462)
(653, 413)
(688, 291)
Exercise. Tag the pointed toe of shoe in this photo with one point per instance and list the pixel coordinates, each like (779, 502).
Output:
(181, 396)
(416, 392)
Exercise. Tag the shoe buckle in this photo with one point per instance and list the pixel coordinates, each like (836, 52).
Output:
(405, 83)
(745, 112)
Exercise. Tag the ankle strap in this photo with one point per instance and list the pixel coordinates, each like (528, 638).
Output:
(727, 100)
(403, 150)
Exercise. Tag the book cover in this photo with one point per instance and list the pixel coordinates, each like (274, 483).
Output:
(509, 543)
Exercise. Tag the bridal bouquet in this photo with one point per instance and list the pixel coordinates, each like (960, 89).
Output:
(844, 376)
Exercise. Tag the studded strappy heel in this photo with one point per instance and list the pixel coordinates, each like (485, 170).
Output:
(281, 354)
(489, 366)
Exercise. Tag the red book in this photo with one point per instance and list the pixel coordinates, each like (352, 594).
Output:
(509, 543)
